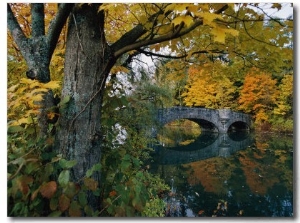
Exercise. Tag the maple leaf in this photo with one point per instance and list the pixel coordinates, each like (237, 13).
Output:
(208, 17)
(187, 20)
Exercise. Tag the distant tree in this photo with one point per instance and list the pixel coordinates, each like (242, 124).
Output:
(258, 95)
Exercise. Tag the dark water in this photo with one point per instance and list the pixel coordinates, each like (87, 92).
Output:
(237, 174)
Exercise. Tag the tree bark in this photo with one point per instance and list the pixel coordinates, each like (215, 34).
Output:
(88, 61)
(38, 49)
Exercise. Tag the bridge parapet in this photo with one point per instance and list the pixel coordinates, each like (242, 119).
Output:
(214, 119)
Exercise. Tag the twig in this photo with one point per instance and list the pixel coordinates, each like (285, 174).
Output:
(108, 205)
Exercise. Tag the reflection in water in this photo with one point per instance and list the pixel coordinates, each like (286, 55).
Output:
(206, 146)
(252, 180)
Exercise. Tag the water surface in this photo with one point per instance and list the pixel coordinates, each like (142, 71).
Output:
(236, 174)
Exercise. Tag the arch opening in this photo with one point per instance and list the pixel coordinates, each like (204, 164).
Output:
(238, 131)
(205, 125)
(180, 132)
(238, 126)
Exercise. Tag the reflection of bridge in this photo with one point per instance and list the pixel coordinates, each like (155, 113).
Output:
(219, 120)
(222, 145)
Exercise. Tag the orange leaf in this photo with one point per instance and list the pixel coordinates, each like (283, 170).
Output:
(63, 202)
(48, 189)
(23, 182)
(112, 193)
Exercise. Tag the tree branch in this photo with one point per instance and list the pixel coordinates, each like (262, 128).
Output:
(37, 18)
(148, 53)
(129, 37)
(15, 29)
(169, 36)
(178, 32)
(256, 38)
(57, 24)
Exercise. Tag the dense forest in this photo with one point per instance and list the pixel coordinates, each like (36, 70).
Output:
(85, 80)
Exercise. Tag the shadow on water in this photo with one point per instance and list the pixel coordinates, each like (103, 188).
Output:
(207, 145)
(235, 174)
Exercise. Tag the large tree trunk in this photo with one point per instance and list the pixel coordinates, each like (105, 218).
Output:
(87, 65)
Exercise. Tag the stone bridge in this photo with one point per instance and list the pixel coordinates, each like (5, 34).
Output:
(216, 120)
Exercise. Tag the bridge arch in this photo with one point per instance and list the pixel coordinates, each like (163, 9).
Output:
(217, 120)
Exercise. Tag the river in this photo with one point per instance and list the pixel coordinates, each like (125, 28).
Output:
(236, 174)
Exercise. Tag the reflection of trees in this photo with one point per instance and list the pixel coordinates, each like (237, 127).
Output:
(179, 132)
(265, 165)
(258, 180)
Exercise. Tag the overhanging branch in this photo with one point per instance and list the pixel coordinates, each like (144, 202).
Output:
(169, 36)
(178, 32)
(15, 29)
(57, 24)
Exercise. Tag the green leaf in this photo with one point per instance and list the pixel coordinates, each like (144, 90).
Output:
(89, 172)
(55, 214)
(65, 100)
(75, 209)
(82, 198)
(125, 165)
(14, 129)
(70, 191)
(64, 178)
(66, 164)
(53, 203)
(97, 192)
(96, 167)
(88, 211)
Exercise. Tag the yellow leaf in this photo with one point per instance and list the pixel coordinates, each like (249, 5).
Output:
(219, 34)
(208, 17)
(105, 7)
(52, 85)
(37, 97)
(117, 69)
(21, 90)
(35, 84)
(13, 88)
(50, 115)
(178, 20)
(277, 6)
(23, 121)
(26, 81)
(232, 32)
(38, 90)
(170, 7)
(188, 20)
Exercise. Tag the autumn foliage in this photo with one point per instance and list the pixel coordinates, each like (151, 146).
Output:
(258, 95)
(53, 174)
(208, 88)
